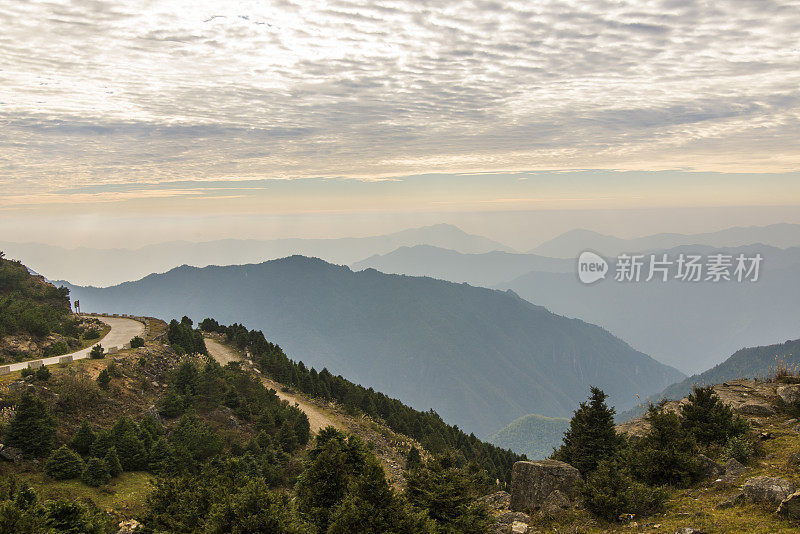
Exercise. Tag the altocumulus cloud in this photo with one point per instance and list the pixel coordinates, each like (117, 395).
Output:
(144, 91)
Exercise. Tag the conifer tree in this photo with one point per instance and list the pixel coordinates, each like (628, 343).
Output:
(33, 429)
(64, 464)
(112, 462)
(591, 436)
(95, 473)
(83, 439)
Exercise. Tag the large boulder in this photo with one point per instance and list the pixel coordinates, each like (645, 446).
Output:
(533, 482)
(790, 506)
(770, 490)
(790, 395)
(709, 468)
(734, 467)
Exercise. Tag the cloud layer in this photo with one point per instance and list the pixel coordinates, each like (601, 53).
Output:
(140, 91)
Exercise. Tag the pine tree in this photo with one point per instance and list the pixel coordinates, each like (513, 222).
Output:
(710, 420)
(83, 439)
(413, 459)
(102, 442)
(33, 429)
(371, 507)
(162, 458)
(591, 436)
(95, 473)
(112, 462)
(64, 464)
(103, 379)
(667, 454)
(447, 489)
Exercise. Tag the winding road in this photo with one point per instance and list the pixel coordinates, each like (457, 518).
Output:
(316, 418)
(122, 330)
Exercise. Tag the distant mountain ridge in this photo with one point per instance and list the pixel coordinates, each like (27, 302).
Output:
(479, 357)
(572, 243)
(104, 267)
(691, 326)
(483, 269)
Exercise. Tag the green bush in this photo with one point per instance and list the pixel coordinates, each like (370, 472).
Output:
(26, 372)
(610, 492)
(91, 333)
(95, 473)
(56, 349)
(739, 448)
(42, 373)
(667, 454)
(64, 464)
(103, 379)
(137, 342)
(709, 420)
(97, 352)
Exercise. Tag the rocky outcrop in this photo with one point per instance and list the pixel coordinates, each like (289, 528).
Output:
(497, 500)
(505, 522)
(790, 395)
(790, 506)
(533, 482)
(760, 409)
(770, 490)
(708, 467)
(734, 467)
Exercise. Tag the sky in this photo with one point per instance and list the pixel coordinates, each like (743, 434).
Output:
(195, 118)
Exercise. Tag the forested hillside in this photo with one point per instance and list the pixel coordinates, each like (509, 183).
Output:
(426, 427)
(533, 435)
(481, 358)
(28, 304)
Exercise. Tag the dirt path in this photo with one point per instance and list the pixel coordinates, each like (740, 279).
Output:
(122, 330)
(316, 418)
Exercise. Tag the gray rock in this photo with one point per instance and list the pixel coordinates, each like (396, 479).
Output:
(771, 490)
(734, 467)
(533, 482)
(556, 500)
(730, 502)
(790, 506)
(709, 468)
(518, 527)
(756, 408)
(790, 395)
(689, 530)
(509, 517)
(10, 454)
(500, 499)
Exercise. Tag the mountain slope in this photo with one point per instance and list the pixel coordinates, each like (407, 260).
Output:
(691, 326)
(485, 269)
(533, 435)
(751, 362)
(103, 267)
(572, 243)
(479, 357)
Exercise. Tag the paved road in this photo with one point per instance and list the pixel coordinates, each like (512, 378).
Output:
(122, 330)
(316, 418)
